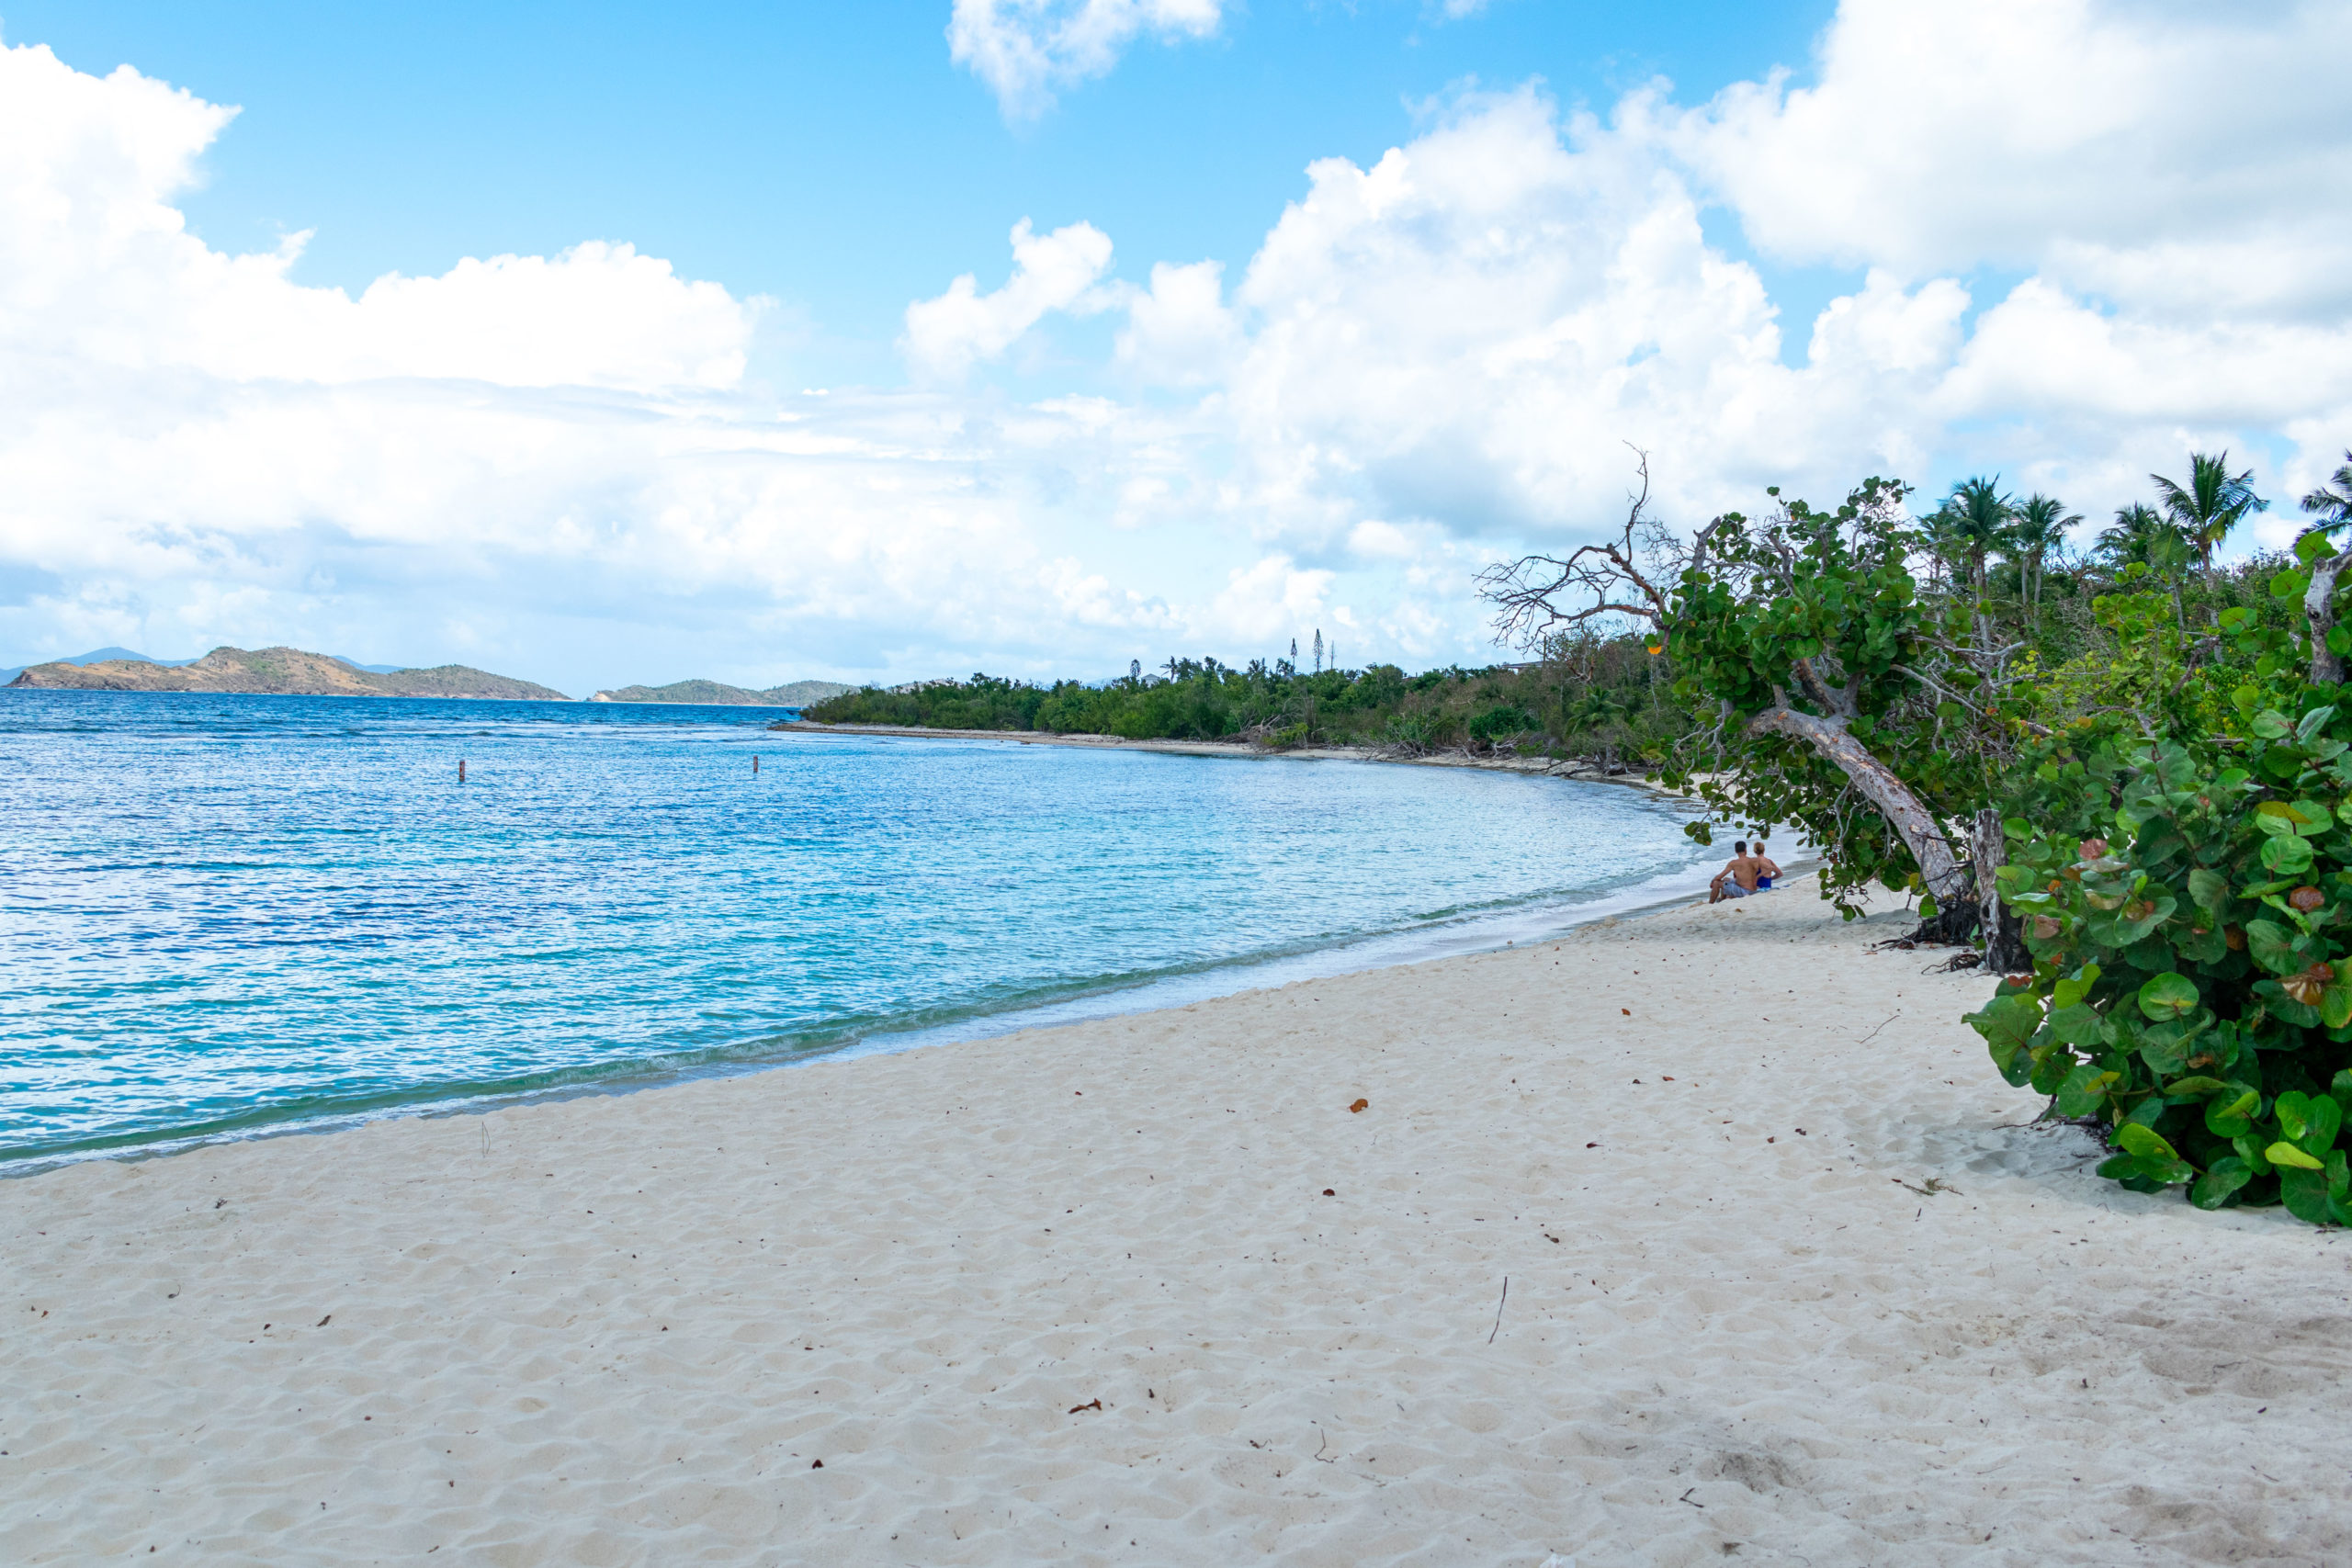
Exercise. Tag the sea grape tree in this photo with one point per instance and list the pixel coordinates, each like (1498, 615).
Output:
(2188, 908)
(1832, 694)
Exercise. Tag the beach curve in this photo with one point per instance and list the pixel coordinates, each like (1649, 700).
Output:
(1790, 1281)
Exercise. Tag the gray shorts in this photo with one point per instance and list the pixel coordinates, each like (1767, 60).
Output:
(1734, 890)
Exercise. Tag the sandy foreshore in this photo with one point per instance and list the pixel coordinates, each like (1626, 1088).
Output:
(1789, 1282)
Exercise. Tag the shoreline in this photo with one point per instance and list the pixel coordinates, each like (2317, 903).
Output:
(1362, 954)
(1545, 767)
(755, 1050)
(1220, 1282)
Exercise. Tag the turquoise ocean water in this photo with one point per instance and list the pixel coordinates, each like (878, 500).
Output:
(220, 915)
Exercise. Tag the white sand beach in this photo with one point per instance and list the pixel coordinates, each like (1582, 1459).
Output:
(1789, 1282)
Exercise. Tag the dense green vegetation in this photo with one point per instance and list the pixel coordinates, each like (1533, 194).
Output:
(2132, 775)
(1604, 698)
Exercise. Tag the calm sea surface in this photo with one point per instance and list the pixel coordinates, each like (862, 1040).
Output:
(220, 914)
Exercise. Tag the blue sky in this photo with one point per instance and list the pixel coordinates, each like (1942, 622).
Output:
(829, 156)
(602, 343)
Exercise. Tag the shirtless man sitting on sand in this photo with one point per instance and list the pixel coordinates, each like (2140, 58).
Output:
(1737, 879)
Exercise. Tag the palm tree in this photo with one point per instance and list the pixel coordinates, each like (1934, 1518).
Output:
(2332, 502)
(2128, 538)
(2141, 536)
(1972, 524)
(2039, 526)
(2213, 502)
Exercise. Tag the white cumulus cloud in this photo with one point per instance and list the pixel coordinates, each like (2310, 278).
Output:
(545, 465)
(946, 334)
(1178, 332)
(2074, 239)
(97, 268)
(1025, 50)
(1468, 330)
(2105, 141)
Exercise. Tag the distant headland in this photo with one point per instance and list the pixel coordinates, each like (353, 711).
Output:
(281, 671)
(293, 672)
(798, 694)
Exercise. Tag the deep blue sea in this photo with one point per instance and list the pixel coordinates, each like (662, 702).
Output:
(220, 915)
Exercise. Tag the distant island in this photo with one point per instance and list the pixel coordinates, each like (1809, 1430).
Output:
(798, 694)
(281, 671)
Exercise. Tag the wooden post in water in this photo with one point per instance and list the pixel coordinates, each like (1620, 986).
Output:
(756, 762)
(461, 770)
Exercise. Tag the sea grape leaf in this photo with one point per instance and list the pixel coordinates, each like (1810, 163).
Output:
(2076, 1025)
(2133, 918)
(2166, 1048)
(2196, 1086)
(2084, 1088)
(2067, 993)
(2271, 725)
(2051, 1062)
(2336, 1001)
(2232, 1117)
(2168, 996)
(2313, 818)
(2143, 1142)
(2286, 1156)
(2209, 890)
(2313, 723)
(2212, 1189)
(2008, 1022)
(2321, 1117)
(2274, 946)
(2288, 857)
(2293, 1111)
(2284, 1008)
(2201, 947)
(2304, 1191)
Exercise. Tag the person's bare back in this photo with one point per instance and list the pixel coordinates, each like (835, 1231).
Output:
(1738, 878)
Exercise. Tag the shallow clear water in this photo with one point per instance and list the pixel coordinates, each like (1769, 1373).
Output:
(223, 913)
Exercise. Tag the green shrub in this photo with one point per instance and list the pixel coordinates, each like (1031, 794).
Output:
(1501, 720)
(1412, 731)
(2188, 908)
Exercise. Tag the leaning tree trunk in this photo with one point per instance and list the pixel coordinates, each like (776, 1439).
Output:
(2319, 610)
(1921, 833)
(1997, 925)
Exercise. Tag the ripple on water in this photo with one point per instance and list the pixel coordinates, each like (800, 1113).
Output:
(224, 913)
